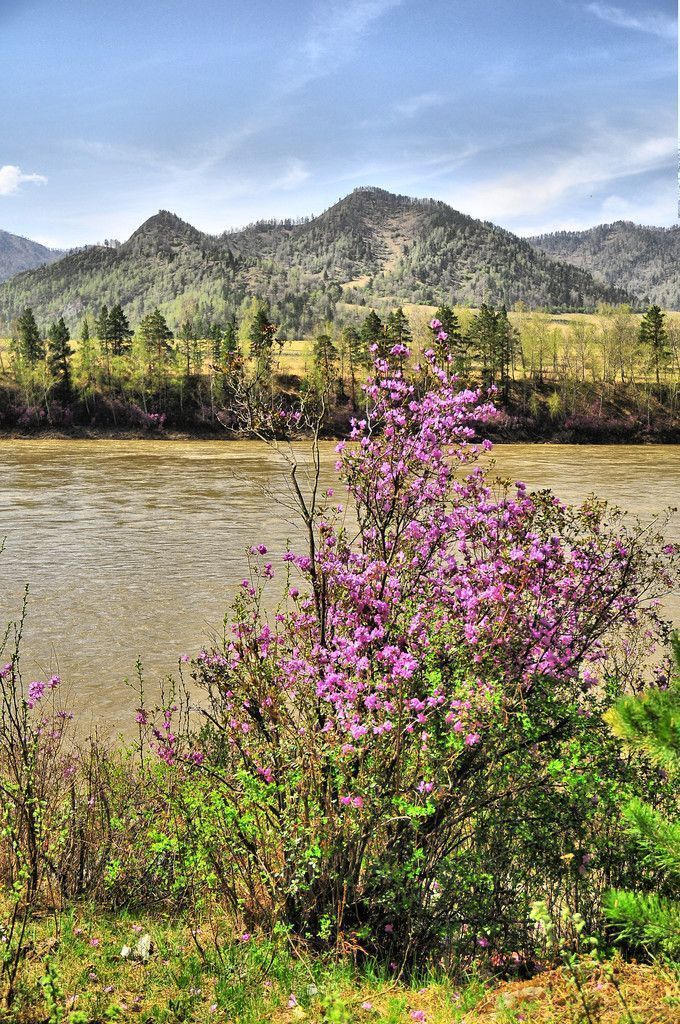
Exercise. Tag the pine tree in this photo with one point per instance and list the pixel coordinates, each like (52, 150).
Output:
(157, 336)
(650, 723)
(30, 345)
(355, 350)
(59, 354)
(101, 328)
(87, 356)
(653, 334)
(118, 331)
(483, 334)
(373, 334)
(505, 346)
(325, 363)
(397, 328)
(229, 346)
(187, 334)
(261, 337)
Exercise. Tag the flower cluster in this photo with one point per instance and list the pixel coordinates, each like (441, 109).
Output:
(456, 593)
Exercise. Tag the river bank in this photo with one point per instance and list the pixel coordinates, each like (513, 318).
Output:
(572, 412)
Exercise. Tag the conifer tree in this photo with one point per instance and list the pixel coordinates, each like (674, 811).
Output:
(454, 344)
(87, 356)
(30, 345)
(157, 336)
(118, 331)
(187, 334)
(325, 363)
(483, 334)
(261, 337)
(505, 345)
(229, 343)
(356, 352)
(373, 333)
(650, 722)
(101, 328)
(59, 354)
(397, 328)
(653, 335)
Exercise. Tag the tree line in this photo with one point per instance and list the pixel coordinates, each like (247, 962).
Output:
(196, 369)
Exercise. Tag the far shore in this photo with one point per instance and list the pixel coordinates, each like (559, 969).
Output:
(560, 437)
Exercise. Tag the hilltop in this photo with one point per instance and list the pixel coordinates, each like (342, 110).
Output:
(18, 253)
(645, 260)
(369, 245)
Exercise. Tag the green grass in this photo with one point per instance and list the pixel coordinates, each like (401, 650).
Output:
(206, 973)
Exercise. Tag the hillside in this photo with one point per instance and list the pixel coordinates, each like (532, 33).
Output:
(369, 245)
(17, 254)
(644, 260)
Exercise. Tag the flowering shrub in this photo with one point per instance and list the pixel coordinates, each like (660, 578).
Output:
(410, 749)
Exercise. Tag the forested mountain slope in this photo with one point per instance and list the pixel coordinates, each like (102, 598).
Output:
(17, 254)
(644, 260)
(369, 245)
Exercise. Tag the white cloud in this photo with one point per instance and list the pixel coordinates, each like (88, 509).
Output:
(656, 207)
(333, 38)
(295, 174)
(654, 22)
(566, 177)
(11, 177)
(416, 104)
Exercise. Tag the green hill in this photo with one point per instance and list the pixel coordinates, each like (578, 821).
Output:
(369, 245)
(17, 254)
(644, 260)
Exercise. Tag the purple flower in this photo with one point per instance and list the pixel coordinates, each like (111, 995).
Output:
(36, 692)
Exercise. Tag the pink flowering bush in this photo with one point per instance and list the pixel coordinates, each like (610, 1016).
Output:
(414, 738)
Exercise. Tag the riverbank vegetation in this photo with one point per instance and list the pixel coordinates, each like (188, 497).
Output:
(390, 788)
(614, 376)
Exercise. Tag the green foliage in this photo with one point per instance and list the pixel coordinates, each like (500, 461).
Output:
(493, 341)
(653, 335)
(118, 331)
(650, 722)
(261, 334)
(59, 354)
(29, 343)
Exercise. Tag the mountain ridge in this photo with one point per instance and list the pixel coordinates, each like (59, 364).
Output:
(639, 255)
(18, 253)
(370, 246)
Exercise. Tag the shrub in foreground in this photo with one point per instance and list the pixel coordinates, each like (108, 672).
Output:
(410, 750)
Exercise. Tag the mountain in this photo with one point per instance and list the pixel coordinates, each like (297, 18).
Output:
(644, 260)
(369, 246)
(17, 254)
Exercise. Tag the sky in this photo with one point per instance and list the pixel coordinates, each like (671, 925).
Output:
(538, 115)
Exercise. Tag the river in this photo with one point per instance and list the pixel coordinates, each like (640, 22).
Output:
(135, 548)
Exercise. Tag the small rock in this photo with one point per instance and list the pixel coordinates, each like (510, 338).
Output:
(142, 950)
(525, 995)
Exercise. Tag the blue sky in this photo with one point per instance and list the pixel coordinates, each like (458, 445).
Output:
(536, 114)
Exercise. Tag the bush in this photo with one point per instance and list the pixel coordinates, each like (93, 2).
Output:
(410, 750)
